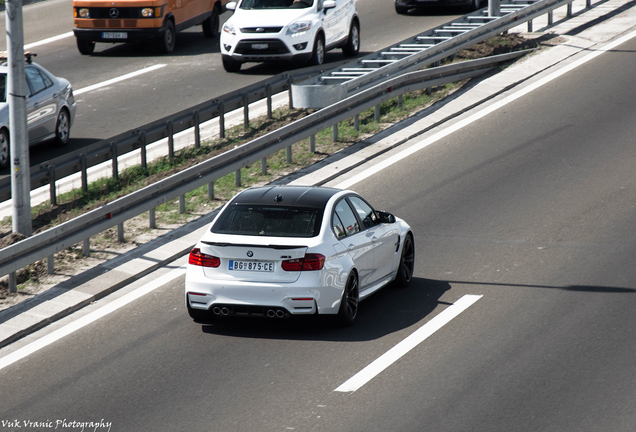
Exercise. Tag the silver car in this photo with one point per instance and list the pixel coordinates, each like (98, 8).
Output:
(50, 108)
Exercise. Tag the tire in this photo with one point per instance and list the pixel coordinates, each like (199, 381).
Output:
(211, 24)
(349, 304)
(318, 54)
(352, 47)
(402, 10)
(85, 47)
(474, 5)
(5, 148)
(200, 316)
(230, 65)
(407, 263)
(168, 39)
(62, 128)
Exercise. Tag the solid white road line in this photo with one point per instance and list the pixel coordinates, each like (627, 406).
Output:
(48, 40)
(477, 116)
(91, 317)
(395, 353)
(118, 79)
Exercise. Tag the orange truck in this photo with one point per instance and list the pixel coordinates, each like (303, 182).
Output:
(115, 21)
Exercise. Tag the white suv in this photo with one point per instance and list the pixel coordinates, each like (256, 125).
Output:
(299, 30)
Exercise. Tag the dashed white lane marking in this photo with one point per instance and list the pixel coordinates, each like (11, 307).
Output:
(118, 79)
(48, 40)
(395, 353)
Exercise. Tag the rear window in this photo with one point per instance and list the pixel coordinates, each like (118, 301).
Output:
(269, 221)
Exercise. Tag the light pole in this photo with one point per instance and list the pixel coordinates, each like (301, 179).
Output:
(18, 136)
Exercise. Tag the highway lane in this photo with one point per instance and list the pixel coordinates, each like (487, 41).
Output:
(193, 72)
(532, 207)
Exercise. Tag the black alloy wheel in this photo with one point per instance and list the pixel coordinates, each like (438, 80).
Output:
(349, 303)
(407, 262)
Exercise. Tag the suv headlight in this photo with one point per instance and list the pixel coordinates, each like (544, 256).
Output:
(229, 28)
(298, 28)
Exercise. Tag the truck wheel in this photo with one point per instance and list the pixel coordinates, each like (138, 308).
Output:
(211, 24)
(4, 148)
(85, 47)
(353, 41)
(167, 40)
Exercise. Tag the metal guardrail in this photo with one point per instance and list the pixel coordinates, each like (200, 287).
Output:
(417, 52)
(45, 244)
(82, 159)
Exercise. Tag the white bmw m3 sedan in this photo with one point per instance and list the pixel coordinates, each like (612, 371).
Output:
(278, 251)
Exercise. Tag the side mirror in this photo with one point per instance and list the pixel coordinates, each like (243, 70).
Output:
(231, 6)
(386, 217)
(329, 4)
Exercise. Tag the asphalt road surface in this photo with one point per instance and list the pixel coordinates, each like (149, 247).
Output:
(532, 208)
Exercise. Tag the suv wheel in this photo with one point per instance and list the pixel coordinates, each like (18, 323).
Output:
(230, 65)
(353, 42)
(318, 54)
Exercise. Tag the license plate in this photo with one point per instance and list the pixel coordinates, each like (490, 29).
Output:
(252, 266)
(114, 35)
(259, 46)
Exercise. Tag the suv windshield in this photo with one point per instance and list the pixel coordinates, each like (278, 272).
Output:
(276, 4)
(269, 221)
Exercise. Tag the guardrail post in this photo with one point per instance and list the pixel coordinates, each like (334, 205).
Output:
(529, 26)
(197, 129)
(288, 154)
(83, 173)
(400, 101)
(86, 247)
(170, 139)
(237, 177)
(120, 232)
(569, 10)
(52, 194)
(246, 111)
(50, 264)
(312, 144)
(152, 218)
(268, 91)
(221, 119)
(493, 8)
(550, 18)
(13, 283)
(356, 122)
(182, 204)
(334, 133)
(142, 149)
(290, 81)
(113, 153)
(211, 190)
(376, 113)
(588, 3)
(264, 166)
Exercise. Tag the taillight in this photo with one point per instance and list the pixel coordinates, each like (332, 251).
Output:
(309, 262)
(198, 258)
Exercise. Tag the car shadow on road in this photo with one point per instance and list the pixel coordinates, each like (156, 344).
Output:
(387, 311)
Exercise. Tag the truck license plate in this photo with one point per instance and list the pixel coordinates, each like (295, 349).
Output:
(114, 35)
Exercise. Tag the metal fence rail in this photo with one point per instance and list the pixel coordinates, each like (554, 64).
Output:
(417, 52)
(81, 160)
(45, 244)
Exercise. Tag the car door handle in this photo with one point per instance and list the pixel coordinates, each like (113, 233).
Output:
(37, 104)
(351, 247)
(374, 239)
(54, 95)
